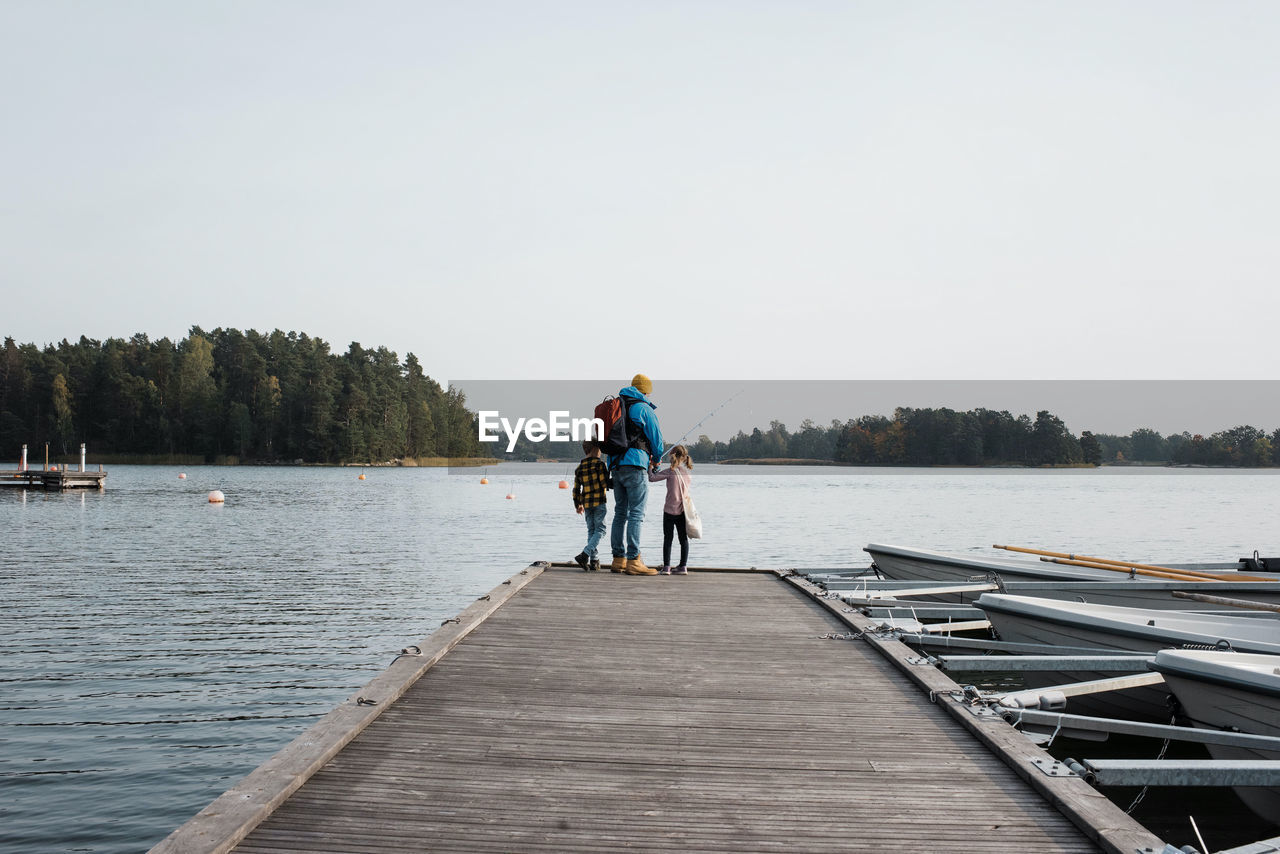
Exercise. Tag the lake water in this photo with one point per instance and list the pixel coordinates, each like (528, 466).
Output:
(156, 648)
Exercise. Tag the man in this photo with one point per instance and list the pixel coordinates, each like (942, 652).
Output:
(631, 475)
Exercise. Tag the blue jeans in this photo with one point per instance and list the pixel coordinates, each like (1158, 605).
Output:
(630, 493)
(595, 528)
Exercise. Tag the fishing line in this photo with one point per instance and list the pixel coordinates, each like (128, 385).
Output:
(680, 441)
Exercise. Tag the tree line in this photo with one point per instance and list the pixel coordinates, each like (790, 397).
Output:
(1240, 446)
(944, 437)
(285, 397)
(277, 397)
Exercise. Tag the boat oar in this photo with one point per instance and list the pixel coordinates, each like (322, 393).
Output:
(1094, 561)
(1223, 600)
(1155, 573)
(1190, 574)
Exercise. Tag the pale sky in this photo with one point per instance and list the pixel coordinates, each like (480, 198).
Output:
(695, 190)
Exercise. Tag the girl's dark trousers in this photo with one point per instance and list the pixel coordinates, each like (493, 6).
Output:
(674, 522)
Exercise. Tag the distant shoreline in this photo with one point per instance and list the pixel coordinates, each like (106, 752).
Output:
(193, 460)
(788, 461)
(780, 461)
(473, 462)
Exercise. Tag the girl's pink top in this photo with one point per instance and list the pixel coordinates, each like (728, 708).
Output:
(677, 485)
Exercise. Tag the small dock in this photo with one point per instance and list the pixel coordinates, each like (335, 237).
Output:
(65, 478)
(725, 711)
(53, 477)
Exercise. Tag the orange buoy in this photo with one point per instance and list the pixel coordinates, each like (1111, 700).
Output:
(182, 476)
(511, 495)
(564, 484)
(216, 497)
(484, 480)
(361, 477)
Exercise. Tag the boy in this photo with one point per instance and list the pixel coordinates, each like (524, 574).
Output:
(590, 480)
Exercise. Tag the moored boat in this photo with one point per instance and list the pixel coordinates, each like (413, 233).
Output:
(1077, 583)
(1025, 619)
(1028, 619)
(1229, 691)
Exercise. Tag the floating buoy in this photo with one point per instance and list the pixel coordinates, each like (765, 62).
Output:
(182, 476)
(512, 493)
(361, 477)
(484, 480)
(564, 484)
(53, 468)
(216, 497)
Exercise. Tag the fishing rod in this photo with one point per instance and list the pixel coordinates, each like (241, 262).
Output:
(680, 441)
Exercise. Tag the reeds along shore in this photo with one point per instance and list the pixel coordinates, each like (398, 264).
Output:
(443, 462)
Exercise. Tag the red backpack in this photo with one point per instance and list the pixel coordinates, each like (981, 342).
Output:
(613, 411)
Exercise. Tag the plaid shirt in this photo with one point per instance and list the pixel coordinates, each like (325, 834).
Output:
(590, 480)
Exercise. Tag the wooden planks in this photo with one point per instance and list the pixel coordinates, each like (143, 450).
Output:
(66, 478)
(219, 826)
(594, 712)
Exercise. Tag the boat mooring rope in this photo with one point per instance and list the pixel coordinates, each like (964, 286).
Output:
(840, 636)
(412, 650)
(1015, 721)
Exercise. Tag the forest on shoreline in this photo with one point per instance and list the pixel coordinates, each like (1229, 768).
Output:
(983, 437)
(247, 397)
(979, 437)
(228, 396)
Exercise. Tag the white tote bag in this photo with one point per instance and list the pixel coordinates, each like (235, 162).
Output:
(692, 521)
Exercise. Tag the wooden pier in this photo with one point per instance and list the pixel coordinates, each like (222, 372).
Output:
(64, 478)
(53, 477)
(725, 711)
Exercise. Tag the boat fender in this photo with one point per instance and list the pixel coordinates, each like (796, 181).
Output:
(1049, 701)
(1052, 701)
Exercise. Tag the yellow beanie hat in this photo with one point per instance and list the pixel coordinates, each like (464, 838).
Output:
(643, 384)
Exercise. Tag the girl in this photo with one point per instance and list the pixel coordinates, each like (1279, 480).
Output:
(677, 477)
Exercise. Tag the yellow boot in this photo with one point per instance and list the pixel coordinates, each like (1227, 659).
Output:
(635, 566)
(619, 564)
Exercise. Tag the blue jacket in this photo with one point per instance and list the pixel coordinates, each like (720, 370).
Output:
(642, 417)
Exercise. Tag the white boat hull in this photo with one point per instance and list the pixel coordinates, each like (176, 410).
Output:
(1214, 697)
(1022, 619)
(1082, 584)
